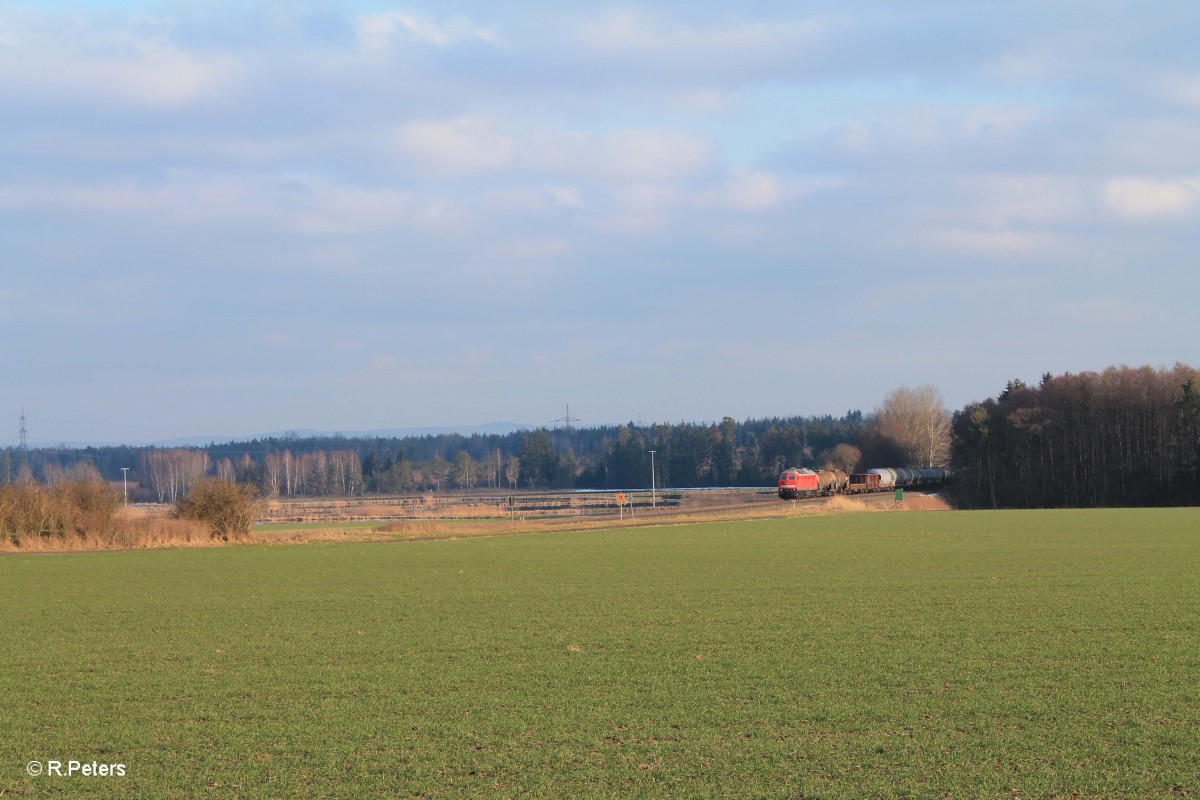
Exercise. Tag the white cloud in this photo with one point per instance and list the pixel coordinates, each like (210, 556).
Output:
(475, 357)
(637, 32)
(1005, 200)
(567, 196)
(379, 31)
(988, 244)
(515, 263)
(471, 144)
(529, 249)
(192, 199)
(621, 155)
(1142, 199)
(641, 208)
(330, 210)
(533, 200)
(706, 101)
(387, 362)
(747, 191)
(1182, 88)
(457, 145)
(301, 205)
(654, 154)
(135, 69)
(931, 128)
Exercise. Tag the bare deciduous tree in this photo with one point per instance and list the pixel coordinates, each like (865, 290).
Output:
(845, 457)
(917, 420)
(171, 473)
(346, 471)
(465, 470)
(272, 473)
(512, 472)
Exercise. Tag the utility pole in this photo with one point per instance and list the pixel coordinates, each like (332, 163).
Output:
(653, 493)
(125, 480)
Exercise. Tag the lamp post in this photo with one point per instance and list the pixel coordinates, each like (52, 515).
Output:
(653, 495)
(125, 480)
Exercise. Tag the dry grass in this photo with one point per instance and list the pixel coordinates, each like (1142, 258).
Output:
(840, 503)
(411, 527)
(152, 531)
(130, 531)
(925, 502)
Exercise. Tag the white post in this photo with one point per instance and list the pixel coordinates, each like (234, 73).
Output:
(653, 492)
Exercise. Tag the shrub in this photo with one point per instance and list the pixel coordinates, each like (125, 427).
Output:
(68, 512)
(89, 508)
(227, 508)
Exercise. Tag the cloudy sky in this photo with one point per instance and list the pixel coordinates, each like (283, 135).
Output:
(230, 218)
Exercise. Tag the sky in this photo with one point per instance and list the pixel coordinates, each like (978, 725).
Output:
(231, 218)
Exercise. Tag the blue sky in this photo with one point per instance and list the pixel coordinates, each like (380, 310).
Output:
(231, 218)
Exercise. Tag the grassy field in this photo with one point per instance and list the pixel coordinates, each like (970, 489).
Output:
(999, 655)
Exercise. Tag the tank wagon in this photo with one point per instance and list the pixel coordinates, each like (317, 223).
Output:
(832, 481)
(795, 483)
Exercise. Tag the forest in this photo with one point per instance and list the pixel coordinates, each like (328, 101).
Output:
(729, 453)
(1121, 437)
(1124, 436)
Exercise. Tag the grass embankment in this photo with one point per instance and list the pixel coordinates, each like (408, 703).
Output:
(1004, 654)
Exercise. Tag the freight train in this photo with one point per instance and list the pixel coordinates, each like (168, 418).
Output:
(795, 483)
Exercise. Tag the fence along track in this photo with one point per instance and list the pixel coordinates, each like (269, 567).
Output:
(492, 505)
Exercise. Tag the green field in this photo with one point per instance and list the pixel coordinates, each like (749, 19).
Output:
(1000, 655)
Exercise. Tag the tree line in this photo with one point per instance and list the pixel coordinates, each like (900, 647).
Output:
(1121, 437)
(728, 453)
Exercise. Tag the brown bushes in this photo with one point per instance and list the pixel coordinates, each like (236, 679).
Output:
(227, 508)
(87, 515)
(66, 512)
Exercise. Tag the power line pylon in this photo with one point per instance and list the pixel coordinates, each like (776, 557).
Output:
(566, 420)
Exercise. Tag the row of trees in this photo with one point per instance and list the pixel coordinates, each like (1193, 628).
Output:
(1119, 437)
(1114, 438)
(729, 453)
